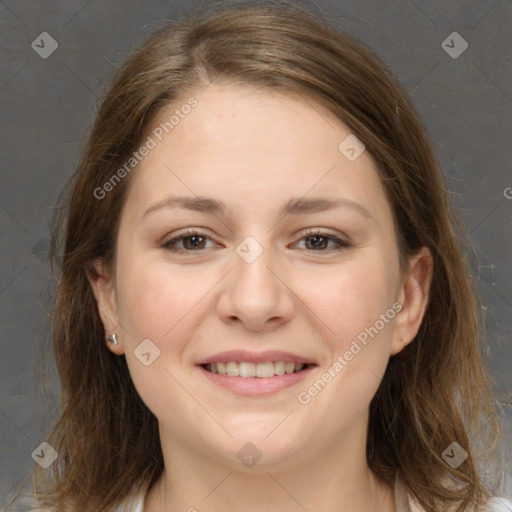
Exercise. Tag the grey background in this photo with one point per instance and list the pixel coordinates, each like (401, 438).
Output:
(47, 106)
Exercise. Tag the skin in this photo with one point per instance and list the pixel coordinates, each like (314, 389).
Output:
(254, 150)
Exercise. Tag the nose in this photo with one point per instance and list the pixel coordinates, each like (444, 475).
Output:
(256, 294)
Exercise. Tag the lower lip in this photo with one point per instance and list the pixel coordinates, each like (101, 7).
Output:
(256, 386)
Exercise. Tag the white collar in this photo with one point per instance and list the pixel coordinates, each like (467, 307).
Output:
(405, 502)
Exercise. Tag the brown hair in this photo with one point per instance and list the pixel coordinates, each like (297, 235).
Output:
(435, 392)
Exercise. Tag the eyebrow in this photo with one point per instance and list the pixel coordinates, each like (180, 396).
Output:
(295, 206)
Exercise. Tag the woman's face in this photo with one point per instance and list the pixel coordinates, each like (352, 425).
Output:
(294, 261)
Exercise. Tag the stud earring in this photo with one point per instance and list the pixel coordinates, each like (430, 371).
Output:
(112, 339)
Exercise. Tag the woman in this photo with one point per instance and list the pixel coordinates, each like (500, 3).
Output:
(263, 304)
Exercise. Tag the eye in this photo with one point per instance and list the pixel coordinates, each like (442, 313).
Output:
(192, 240)
(319, 241)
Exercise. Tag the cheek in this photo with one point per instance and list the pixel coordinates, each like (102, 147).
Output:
(152, 297)
(355, 304)
(358, 345)
(155, 304)
(350, 299)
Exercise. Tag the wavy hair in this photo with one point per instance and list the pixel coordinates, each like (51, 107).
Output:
(433, 393)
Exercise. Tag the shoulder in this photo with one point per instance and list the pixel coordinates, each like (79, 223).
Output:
(499, 505)
(406, 502)
(132, 503)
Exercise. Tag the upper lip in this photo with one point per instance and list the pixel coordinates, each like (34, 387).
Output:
(255, 357)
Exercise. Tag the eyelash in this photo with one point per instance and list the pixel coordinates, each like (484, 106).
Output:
(170, 244)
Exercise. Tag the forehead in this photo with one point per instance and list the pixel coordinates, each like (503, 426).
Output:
(244, 144)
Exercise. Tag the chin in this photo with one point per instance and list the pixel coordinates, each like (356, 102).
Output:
(257, 453)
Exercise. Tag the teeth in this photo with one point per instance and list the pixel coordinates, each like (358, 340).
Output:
(232, 369)
(247, 369)
(279, 367)
(261, 370)
(289, 367)
(265, 370)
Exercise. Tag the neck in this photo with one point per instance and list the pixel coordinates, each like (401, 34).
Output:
(338, 480)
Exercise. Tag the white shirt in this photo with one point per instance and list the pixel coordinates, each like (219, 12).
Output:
(404, 502)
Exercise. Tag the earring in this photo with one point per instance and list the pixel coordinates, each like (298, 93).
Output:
(112, 339)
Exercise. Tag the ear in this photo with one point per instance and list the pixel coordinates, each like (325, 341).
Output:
(102, 283)
(413, 295)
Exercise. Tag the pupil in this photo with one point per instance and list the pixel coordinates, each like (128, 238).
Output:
(316, 243)
(195, 239)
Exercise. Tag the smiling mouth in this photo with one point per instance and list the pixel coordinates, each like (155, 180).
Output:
(256, 370)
